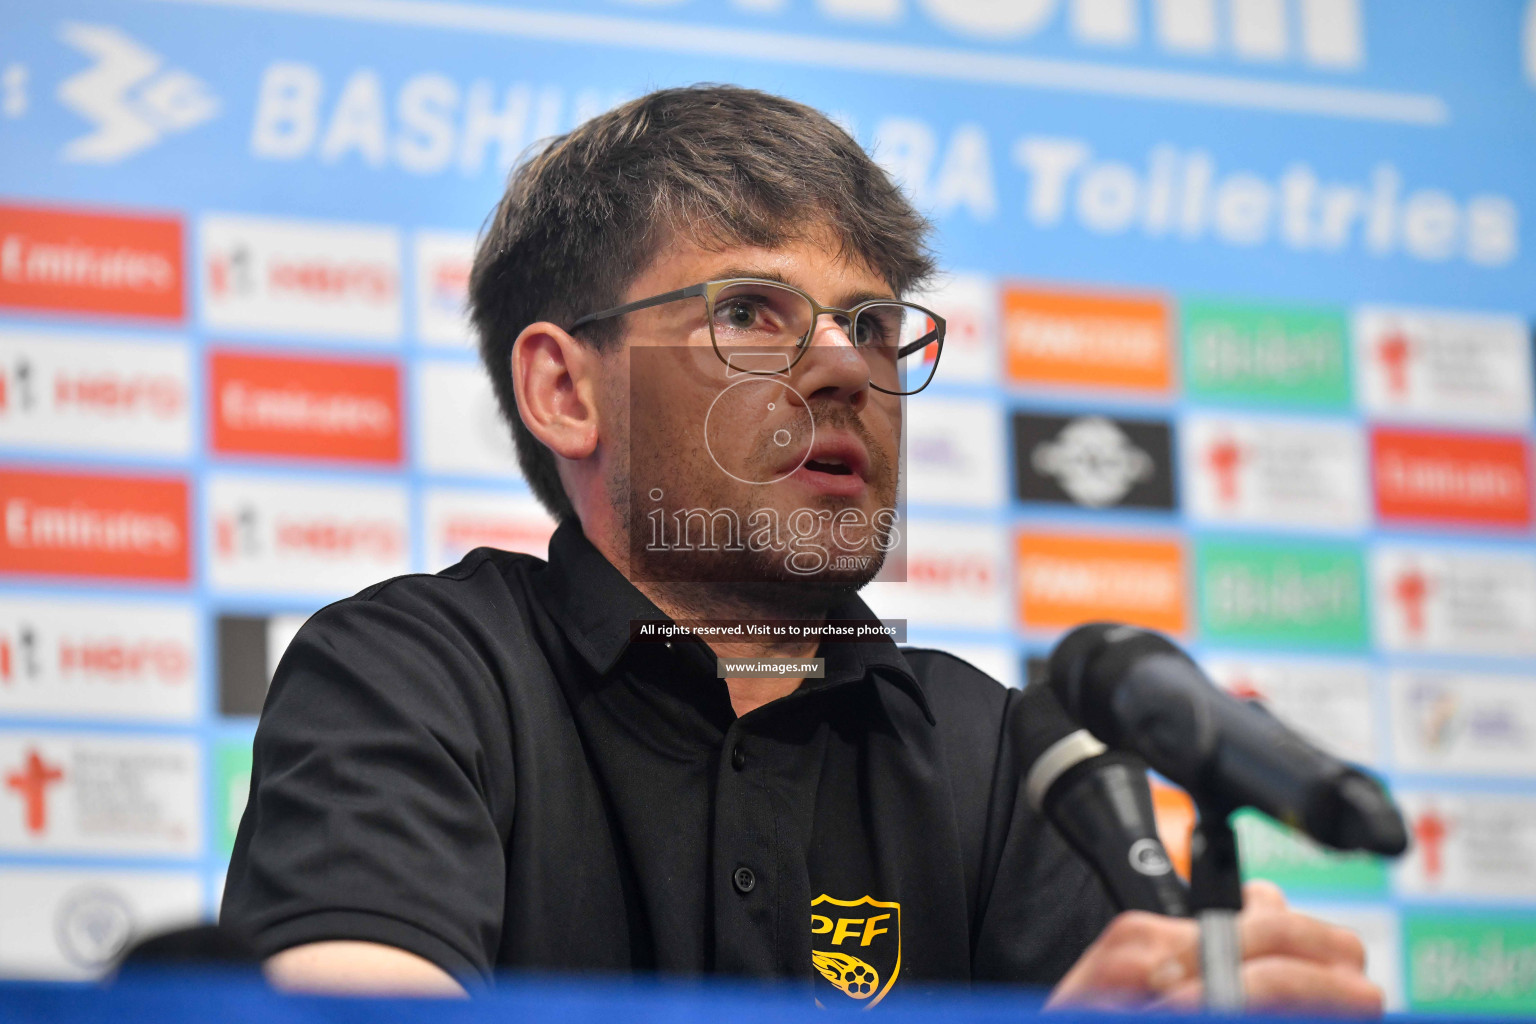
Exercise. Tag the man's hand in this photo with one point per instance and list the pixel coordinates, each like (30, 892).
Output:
(1290, 962)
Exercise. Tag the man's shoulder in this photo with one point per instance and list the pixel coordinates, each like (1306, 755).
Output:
(968, 705)
(448, 640)
(479, 575)
(950, 681)
(486, 596)
(488, 588)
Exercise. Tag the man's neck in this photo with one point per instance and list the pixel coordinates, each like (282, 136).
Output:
(683, 602)
(695, 601)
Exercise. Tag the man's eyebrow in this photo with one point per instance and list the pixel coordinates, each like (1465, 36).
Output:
(849, 300)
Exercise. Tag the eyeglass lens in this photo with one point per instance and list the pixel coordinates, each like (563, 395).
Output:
(756, 316)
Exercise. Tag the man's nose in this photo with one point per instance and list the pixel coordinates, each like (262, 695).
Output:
(833, 367)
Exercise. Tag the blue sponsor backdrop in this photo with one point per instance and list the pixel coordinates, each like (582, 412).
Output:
(1334, 153)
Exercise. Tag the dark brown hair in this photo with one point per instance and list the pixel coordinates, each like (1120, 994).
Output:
(719, 165)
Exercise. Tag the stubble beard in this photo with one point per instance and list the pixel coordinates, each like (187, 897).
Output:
(746, 583)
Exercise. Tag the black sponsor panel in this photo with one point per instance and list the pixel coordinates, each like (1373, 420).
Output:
(243, 669)
(1093, 461)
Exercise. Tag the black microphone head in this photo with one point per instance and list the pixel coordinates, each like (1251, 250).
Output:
(1088, 661)
(1069, 658)
(1360, 815)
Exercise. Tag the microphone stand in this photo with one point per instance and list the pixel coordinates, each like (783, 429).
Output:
(1216, 896)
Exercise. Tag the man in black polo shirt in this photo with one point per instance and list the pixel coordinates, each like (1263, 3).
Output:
(691, 311)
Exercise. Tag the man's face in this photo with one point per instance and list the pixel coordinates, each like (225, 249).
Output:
(726, 474)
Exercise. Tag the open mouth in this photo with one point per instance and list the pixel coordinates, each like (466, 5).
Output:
(830, 465)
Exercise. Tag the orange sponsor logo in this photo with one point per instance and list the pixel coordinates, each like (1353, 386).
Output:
(1067, 579)
(1453, 478)
(72, 261)
(1086, 340)
(305, 408)
(112, 527)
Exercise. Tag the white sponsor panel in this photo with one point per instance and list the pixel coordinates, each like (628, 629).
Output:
(955, 452)
(70, 924)
(302, 536)
(87, 657)
(1264, 471)
(459, 427)
(969, 304)
(1437, 367)
(1463, 722)
(1468, 845)
(100, 794)
(1328, 702)
(306, 278)
(1379, 930)
(443, 260)
(77, 392)
(458, 521)
(1454, 601)
(956, 576)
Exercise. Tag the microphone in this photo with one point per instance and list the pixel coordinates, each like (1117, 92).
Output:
(1136, 691)
(1099, 801)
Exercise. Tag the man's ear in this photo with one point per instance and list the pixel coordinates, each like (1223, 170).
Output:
(553, 376)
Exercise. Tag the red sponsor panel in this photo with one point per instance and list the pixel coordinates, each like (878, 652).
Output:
(1458, 479)
(305, 408)
(77, 524)
(74, 261)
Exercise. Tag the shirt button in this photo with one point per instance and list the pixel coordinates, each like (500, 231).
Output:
(738, 759)
(744, 880)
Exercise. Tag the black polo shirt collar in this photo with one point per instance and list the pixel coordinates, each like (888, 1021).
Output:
(595, 606)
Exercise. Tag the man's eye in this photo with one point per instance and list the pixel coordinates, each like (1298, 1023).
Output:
(741, 314)
(869, 331)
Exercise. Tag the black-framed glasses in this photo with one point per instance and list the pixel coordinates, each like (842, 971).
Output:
(764, 327)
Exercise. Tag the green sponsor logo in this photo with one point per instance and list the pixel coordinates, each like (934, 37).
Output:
(1475, 962)
(1267, 354)
(1312, 594)
(232, 782)
(1284, 856)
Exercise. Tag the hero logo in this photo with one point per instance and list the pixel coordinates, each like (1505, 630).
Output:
(240, 535)
(108, 658)
(301, 277)
(130, 98)
(59, 391)
(83, 657)
(304, 537)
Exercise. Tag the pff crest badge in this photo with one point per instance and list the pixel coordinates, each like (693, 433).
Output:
(856, 947)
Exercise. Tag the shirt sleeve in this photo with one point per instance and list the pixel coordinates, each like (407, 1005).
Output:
(380, 791)
(1046, 907)
(1039, 905)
